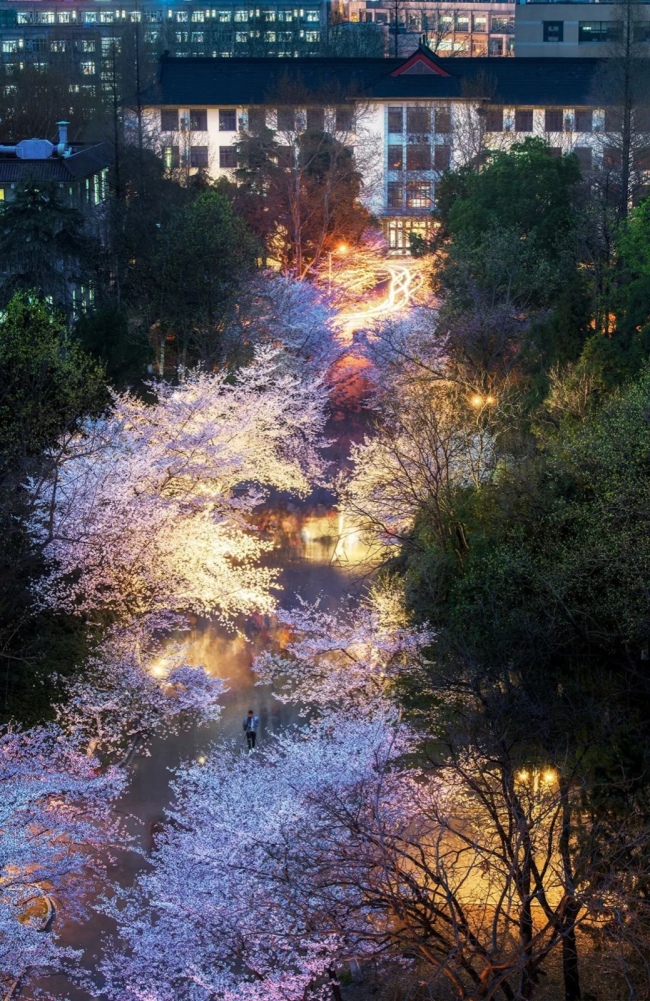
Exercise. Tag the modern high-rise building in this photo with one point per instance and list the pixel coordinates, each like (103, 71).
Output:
(582, 29)
(449, 27)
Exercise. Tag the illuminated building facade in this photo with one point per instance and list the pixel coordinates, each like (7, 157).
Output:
(413, 112)
(480, 28)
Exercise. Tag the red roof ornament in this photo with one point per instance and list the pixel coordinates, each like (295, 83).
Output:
(422, 62)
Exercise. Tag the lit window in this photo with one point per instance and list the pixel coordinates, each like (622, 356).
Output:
(87, 68)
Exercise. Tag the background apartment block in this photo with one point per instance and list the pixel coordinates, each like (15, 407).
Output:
(94, 41)
(581, 29)
(448, 28)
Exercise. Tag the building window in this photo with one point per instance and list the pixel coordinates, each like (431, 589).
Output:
(269, 36)
(224, 17)
(198, 16)
(494, 120)
(198, 36)
(171, 157)
(227, 120)
(11, 45)
(395, 192)
(396, 120)
(584, 121)
(106, 16)
(87, 45)
(256, 119)
(169, 119)
(523, 120)
(286, 119)
(418, 156)
(198, 120)
(241, 16)
(198, 156)
(479, 22)
(312, 16)
(585, 156)
(553, 31)
(241, 36)
(344, 119)
(182, 36)
(87, 68)
(111, 46)
(182, 15)
(479, 47)
(443, 121)
(2, 194)
(613, 120)
(316, 119)
(503, 25)
(285, 155)
(553, 120)
(441, 157)
(227, 157)
(612, 158)
(495, 46)
(599, 31)
(418, 120)
(418, 195)
(641, 31)
(395, 157)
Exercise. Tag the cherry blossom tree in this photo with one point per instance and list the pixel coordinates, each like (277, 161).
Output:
(131, 688)
(279, 867)
(293, 316)
(147, 511)
(55, 827)
(229, 909)
(349, 658)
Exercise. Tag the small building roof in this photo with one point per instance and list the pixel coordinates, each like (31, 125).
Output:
(543, 81)
(84, 161)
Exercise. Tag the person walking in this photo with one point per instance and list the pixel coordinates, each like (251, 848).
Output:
(251, 723)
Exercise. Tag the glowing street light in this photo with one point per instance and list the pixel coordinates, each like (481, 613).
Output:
(482, 401)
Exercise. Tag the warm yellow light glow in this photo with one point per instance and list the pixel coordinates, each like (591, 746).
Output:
(342, 249)
(476, 400)
(490, 399)
(201, 759)
(523, 776)
(158, 669)
(549, 777)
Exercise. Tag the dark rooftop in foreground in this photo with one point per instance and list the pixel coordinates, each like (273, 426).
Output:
(190, 82)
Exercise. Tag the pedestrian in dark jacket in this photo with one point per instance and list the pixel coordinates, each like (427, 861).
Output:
(251, 723)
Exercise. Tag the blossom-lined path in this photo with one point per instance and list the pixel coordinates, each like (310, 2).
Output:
(317, 560)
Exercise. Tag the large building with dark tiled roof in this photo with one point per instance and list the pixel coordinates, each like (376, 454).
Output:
(412, 117)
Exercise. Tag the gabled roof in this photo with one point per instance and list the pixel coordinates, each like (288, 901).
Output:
(84, 161)
(543, 81)
(422, 62)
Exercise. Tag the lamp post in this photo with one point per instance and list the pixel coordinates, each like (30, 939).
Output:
(341, 250)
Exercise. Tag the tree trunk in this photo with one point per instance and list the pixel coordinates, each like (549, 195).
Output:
(570, 968)
(334, 984)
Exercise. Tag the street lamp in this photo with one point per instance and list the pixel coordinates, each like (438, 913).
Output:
(341, 250)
